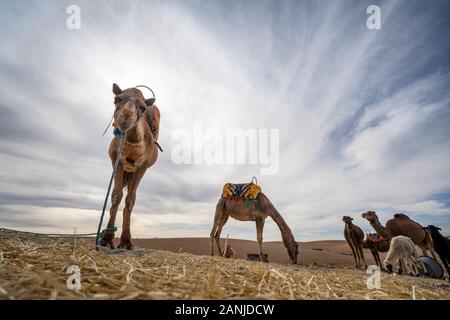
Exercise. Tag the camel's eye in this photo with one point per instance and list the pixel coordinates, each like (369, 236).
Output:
(119, 99)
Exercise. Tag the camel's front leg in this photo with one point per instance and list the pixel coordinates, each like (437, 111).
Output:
(130, 199)
(217, 226)
(377, 259)
(116, 197)
(259, 236)
(361, 254)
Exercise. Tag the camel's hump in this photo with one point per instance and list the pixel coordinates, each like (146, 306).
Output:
(401, 216)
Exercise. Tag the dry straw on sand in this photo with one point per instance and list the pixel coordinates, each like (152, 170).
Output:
(35, 268)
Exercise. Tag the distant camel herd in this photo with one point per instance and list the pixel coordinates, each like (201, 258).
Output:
(399, 237)
(135, 146)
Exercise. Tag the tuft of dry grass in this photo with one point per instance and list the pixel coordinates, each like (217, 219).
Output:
(36, 268)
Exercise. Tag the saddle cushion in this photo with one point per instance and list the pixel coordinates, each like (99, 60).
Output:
(153, 116)
(241, 190)
(381, 243)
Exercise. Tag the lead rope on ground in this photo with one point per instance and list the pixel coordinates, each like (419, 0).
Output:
(105, 203)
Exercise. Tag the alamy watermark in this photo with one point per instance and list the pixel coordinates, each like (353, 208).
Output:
(74, 280)
(228, 147)
(373, 22)
(73, 21)
(374, 280)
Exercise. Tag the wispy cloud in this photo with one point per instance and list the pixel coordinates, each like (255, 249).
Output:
(363, 114)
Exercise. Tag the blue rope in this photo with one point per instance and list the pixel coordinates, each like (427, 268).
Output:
(105, 203)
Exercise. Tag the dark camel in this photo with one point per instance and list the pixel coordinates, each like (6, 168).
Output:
(139, 153)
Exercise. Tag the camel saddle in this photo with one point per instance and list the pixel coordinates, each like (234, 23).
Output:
(247, 191)
(381, 243)
(153, 121)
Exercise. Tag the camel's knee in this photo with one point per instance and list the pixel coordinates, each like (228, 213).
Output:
(116, 197)
(129, 202)
(213, 233)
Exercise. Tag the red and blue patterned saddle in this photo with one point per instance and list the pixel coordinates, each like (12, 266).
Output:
(241, 190)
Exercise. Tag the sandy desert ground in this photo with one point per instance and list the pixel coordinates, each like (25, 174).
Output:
(325, 253)
(37, 268)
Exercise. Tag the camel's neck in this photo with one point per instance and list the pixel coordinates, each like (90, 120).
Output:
(349, 226)
(136, 134)
(286, 233)
(382, 231)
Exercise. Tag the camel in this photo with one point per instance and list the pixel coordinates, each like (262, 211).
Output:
(134, 117)
(354, 236)
(252, 210)
(230, 253)
(376, 244)
(403, 252)
(402, 225)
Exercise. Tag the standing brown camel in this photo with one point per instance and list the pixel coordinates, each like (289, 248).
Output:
(252, 210)
(141, 125)
(402, 225)
(354, 236)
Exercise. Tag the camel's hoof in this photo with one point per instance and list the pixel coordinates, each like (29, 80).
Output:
(108, 240)
(125, 244)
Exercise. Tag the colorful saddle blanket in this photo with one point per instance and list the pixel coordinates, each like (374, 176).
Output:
(241, 190)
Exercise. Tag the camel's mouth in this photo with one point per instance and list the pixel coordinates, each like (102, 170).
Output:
(367, 216)
(126, 124)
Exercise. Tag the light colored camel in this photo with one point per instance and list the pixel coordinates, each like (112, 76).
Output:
(402, 225)
(252, 210)
(139, 153)
(402, 252)
(354, 236)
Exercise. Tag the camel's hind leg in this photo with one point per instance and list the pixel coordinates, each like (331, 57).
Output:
(220, 218)
(259, 236)
(425, 248)
(350, 243)
(361, 253)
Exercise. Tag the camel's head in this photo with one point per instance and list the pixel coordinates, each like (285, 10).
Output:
(433, 230)
(347, 219)
(130, 104)
(371, 216)
(388, 267)
(293, 252)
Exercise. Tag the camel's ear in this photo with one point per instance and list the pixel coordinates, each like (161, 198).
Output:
(149, 102)
(116, 89)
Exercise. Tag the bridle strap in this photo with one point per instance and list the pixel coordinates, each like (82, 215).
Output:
(142, 86)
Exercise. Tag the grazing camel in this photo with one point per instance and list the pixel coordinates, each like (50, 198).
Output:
(139, 119)
(402, 225)
(354, 236)
(402, 251)
(252, 210)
